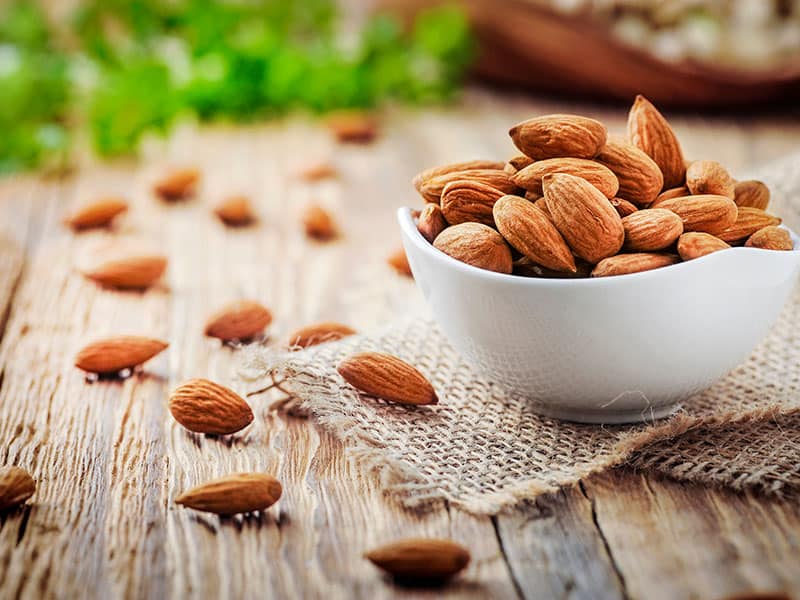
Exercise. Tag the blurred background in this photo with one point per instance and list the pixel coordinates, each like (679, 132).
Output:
(100, 76)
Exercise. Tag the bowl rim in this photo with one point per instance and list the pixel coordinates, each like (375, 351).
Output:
(412, 234)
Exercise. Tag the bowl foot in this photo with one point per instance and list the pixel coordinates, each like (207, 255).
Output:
(606, 416)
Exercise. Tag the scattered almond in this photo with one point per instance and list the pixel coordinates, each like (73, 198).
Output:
(399, 262)
(751, 193)
(353, 127)
(696, 244)
(420, 560)
(432, 190)
(235, 211)
(640, 179)
(584, 216)
(649, 131)
(317, 172)
(431, 222)
(554, 136)
(651, 229)
(97, 214)
(319, 224)
(135, 272)
(421, 179)
(748, 221)
(178, 184)
(233, 494)
(16, 486)
(319, 333)
(706, 212)
(387, 377)
(771, 237)
(532, 233)
(598, 175)
(240, 320)
(709, 177)
(206, 407)
(476, 244)
(625, 264)
(676, 192)
(469, 201)
(624, 208)
(112, 355)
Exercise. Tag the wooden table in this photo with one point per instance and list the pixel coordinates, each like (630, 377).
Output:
(109, 458)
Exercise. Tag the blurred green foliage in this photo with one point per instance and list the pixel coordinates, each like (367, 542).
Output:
(128, 67)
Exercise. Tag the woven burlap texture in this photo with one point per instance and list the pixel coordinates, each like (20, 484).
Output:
(484, 449)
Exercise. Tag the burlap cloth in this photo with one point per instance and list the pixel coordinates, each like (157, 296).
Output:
(484, 449)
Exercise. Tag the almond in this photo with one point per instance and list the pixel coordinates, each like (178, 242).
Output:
(554, 136)
(112, 355)
(532, 196)
(624, 264)
(203, 406)
(709, 177)
(751, 193)
(97, 214)
(177, 184)
(233, 494)
(354, 127)
(771, 238)
(640, 179)
(433, 189)
(532, 233)
(477, 245)
(676, 192)
(16, 486)
(431, 222)
(465, 201)
(387, 377)
(240, 320)
(319, 333)
(748, 221)
(135, 272)
(708, 213)
(471, 165)
(623, 207)
(317, 171)
(527, 268)
(318, 223)
(541, 204)
(696, 244)
(420, 560)
(584, 216)
(651, 229)
(649, 131)
(399, 262)
(598, 175)
(235, 211)
(520, 161)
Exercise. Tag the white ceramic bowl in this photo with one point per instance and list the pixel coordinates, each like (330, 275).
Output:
(607, 350)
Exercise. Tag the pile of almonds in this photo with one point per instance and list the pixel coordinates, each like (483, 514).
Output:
(577, 203)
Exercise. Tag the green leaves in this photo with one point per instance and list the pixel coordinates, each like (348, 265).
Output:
(138, 64)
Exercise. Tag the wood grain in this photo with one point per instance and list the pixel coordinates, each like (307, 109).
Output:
(109, 459)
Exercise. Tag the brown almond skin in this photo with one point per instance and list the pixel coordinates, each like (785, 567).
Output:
(598, 175)
(206, 407)
(640, 179)
(748, 221)
(752, 193)
(16, 486)
(235, 211)
(112, 355)
(99, 213)
(465, 201)
(624, 208)
(353, 127)
(541, 204)
(706, 212)
(431, 222)
(399, 262)
(477, 245)
(553, 136)
(696, 244)
(625, 264)
(319, 333)
(531, 232)
(771, 237)
(420, 560)
(177, 185)
(709, 177)
(649, 131)
(239, 320)
(676, 192)
(583, 215)
(387, 377)
(433, 189)
(470, 165)
(651, 229)
(525, 267)
(520, 161)
(318, 223)
(233, 494)
(135, 272)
